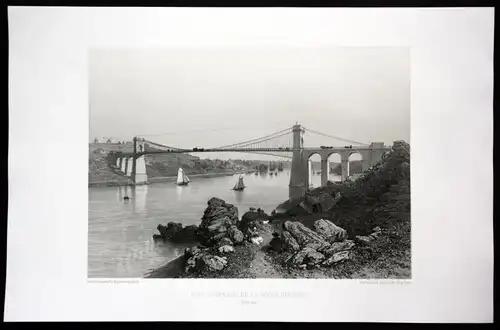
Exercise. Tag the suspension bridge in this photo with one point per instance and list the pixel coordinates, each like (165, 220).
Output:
(287, 143)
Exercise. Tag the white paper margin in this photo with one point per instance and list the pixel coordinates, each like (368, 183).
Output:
(451, 146)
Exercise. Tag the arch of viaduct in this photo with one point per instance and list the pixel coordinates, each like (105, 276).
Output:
(299, 177)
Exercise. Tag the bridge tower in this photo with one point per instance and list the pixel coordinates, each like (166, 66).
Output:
(134, 161)
(296, 188)
(138, 174)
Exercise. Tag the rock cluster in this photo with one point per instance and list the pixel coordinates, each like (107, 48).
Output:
(176, 233)
(220, 230)
(326, 245)
(202, 259)
(219, 221)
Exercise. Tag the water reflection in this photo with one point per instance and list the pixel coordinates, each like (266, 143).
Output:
(178, 192)
(124, 191)
(139, 197)
(238, 196)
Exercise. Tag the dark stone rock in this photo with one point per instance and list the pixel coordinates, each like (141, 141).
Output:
(226, 249)
(289, 243)
(305, 236)
(235, 235)
(157, 237)
(201, 259)
(216, 221)
(364, 240)
(330, 232)
(224, 241)
(169, 230)
(176, 233)
(210, 263)
(339, 247)
(307, 256)
(337, 257)
(214, 202)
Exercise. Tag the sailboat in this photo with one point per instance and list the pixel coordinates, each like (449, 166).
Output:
(182, 178)
(239, 184)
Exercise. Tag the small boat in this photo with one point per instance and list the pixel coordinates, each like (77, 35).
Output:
(239, 184)
(182, 178)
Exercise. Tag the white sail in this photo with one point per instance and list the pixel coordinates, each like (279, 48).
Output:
(185, 178)
(239, 185)
(180, 176)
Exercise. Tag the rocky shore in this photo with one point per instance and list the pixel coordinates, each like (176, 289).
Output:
(364, 234)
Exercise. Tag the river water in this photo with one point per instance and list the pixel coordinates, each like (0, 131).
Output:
(120, 242)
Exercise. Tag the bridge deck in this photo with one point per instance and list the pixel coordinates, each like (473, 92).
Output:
(250, 150)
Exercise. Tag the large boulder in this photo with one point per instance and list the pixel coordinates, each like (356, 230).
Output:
(307, 256)
(191, 252)
(329, 231)
(176, 233)
(337, 257)
(214, 201)
(363, 240)
(210, 263)
(289, 243)
(339, 247)
(235, 235)
(202, 259)
(224, 241)
(216, 221)
(306, 237)
(226, 249)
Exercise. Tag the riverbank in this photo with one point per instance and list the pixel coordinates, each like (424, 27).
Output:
(386, 258)
(199, 175)
(160, 179)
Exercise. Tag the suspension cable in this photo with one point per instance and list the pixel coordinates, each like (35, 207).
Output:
(160, 145)
(334, 137)
(264, 141)
(255, 140)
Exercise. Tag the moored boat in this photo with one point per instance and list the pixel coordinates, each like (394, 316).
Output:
(239, 184)
(182, 178)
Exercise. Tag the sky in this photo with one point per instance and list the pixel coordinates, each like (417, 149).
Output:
(212, 97)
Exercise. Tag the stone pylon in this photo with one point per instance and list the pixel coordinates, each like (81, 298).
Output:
(297, 186)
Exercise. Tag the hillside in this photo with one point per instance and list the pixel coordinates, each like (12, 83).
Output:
(100, 169)
(103, 169)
